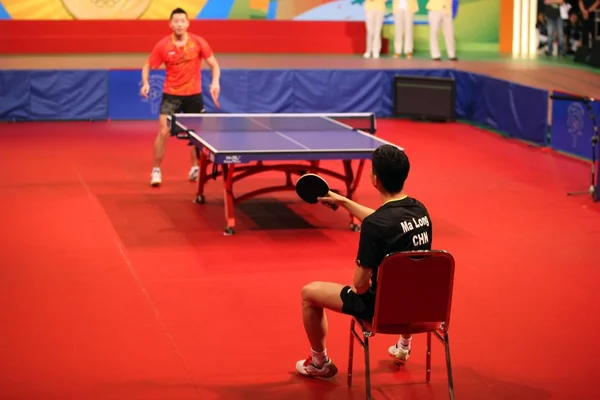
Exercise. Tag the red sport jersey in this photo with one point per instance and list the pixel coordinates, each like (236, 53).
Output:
(182, 64)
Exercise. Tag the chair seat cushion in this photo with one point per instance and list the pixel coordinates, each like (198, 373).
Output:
(400, 329)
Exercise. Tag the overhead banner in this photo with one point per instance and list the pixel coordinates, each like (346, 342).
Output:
(300, 10)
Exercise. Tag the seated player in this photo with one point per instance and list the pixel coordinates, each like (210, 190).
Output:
(392, 227)
(182, 54)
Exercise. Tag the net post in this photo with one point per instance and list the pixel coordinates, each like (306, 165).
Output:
(173, 124)
(373, 124)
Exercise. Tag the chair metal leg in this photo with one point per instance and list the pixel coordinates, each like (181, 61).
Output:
(428, 359)
(367, 367)
(449, 366)
(351, 353)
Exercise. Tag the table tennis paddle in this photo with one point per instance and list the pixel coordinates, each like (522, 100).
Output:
(310, 187)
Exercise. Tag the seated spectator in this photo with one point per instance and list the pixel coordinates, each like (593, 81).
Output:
(555, 26)
(573, 32)
(542, 32)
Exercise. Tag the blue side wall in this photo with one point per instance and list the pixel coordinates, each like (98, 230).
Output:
(516, 110)
(519, 111)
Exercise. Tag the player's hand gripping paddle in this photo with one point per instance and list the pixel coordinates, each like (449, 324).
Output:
(310, 187)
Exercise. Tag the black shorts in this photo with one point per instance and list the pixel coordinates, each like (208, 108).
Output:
(361, 306)
(171, 104)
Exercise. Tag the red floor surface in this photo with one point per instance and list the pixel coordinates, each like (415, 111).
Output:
(113, 290)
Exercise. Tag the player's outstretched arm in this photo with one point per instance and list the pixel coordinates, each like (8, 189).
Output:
(358, 210)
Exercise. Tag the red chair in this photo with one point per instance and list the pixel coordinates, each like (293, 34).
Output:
(414, 295)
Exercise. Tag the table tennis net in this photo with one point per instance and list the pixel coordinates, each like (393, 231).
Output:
(277, 122)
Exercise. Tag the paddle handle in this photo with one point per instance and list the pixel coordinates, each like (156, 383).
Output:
(334, 207)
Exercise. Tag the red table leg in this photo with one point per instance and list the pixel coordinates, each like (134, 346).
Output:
(202, 176)
(314, 165)
(350, 178)
(229, 200)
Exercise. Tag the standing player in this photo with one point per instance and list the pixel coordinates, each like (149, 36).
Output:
(382, 233)
(182, 54)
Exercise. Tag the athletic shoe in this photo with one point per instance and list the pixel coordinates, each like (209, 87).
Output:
(194, 173)
(308, 369)
(156, 177)
(399, 353)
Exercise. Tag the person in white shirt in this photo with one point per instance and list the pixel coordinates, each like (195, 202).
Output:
(374, 15)
(440, 14)
(404, 16)
(555, 26)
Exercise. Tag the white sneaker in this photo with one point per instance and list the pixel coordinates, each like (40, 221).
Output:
(194, 173)
(399, 353)
(308, 369)
(367, 55)
(156, 177)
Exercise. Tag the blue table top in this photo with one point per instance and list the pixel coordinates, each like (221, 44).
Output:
(276, 134)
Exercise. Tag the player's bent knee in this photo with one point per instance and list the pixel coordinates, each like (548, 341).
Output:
(163, 128)
(310, 291)
(305, 292)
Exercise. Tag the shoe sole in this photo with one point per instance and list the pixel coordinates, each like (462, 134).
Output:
(333, 372)
(397, 360)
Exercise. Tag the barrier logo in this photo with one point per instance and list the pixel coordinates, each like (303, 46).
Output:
(155, 94)
(575, 121)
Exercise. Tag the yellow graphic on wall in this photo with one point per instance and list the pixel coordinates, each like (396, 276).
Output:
(196, 9)
(106, 9)
(96, 9)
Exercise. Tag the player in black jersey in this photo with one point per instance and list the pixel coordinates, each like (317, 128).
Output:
(401, 223)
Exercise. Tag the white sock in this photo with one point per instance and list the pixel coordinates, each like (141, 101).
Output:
(319, 358)
(156, 169)
(404, 342)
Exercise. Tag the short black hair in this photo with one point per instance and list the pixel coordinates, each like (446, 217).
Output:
(178, 11)
(391, 167)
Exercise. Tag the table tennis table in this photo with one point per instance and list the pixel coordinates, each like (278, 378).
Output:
(241, 145)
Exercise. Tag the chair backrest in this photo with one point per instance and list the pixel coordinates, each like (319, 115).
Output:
(414, 287)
